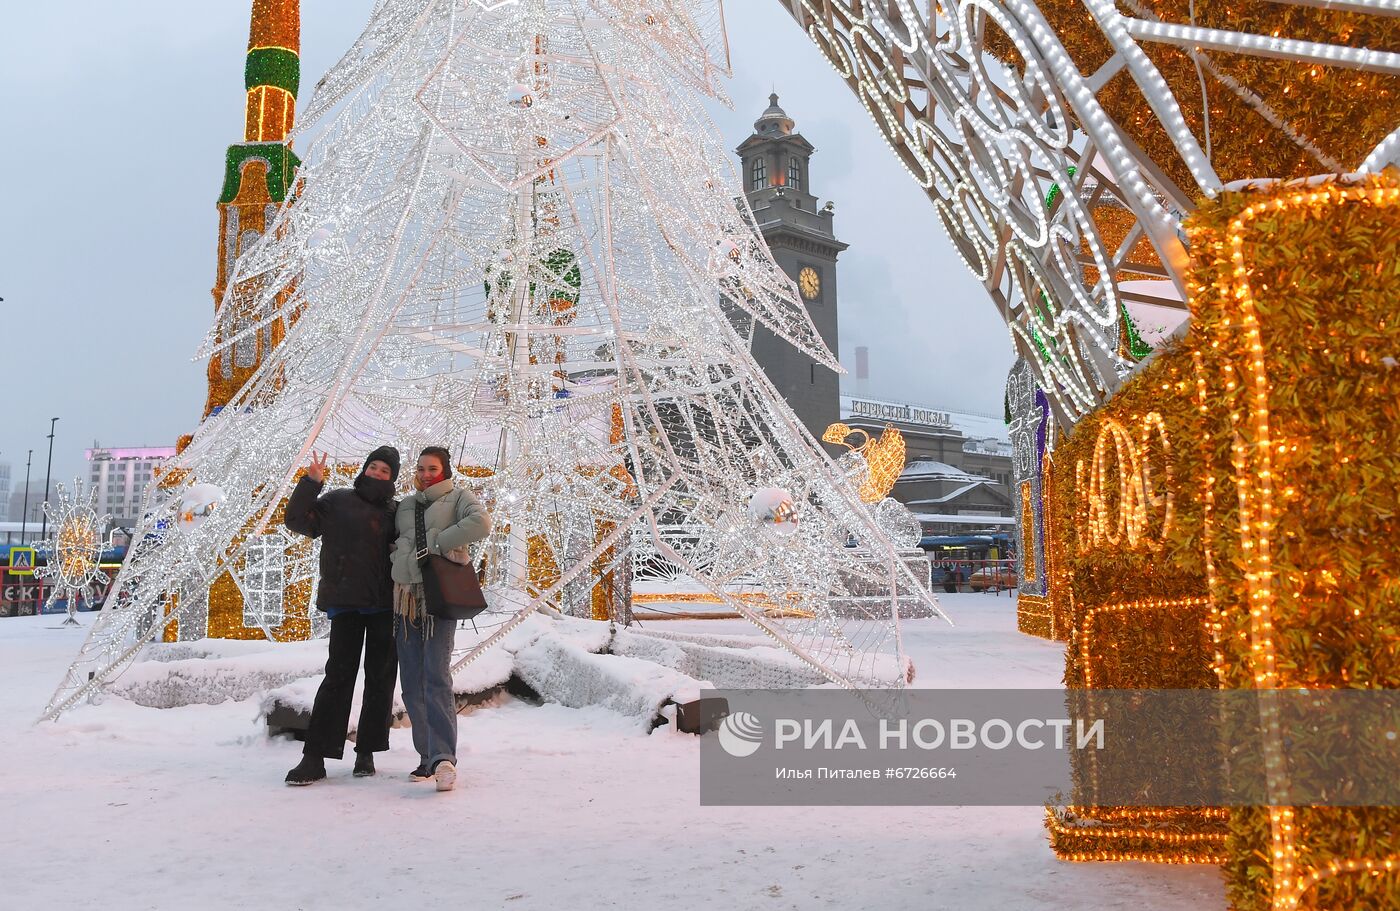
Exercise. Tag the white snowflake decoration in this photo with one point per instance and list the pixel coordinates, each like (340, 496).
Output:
(75, 550)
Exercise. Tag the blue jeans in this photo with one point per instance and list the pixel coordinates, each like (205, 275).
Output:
(424, 659)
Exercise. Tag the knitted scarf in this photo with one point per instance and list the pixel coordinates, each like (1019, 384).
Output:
(410, 607)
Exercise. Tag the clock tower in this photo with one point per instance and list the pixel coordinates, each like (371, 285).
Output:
(777, 180)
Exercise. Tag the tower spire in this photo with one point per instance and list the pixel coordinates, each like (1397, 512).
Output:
(259, 175)
(774, 120)
(272, 74)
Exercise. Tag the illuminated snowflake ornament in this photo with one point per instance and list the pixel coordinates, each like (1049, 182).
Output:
(75, 550)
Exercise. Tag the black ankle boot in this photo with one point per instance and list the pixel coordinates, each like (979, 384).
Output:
(364, 765)
(311, 768)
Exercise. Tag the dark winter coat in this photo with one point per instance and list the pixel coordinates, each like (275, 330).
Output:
(356, 538)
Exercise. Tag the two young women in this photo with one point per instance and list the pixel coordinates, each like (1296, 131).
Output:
(371, 585)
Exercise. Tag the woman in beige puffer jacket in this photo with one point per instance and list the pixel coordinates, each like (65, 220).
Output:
(453, 519)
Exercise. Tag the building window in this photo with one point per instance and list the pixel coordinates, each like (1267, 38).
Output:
(794, 178)
(759, 173)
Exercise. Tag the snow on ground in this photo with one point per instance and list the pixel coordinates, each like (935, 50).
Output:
(121, 807)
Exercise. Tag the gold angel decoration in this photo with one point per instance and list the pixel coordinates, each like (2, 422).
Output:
(884, 458)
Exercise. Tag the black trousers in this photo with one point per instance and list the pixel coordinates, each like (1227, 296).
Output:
(330, 714)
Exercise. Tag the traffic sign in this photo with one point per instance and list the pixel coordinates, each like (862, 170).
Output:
(21, 561)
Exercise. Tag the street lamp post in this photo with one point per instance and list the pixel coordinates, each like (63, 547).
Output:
(24, 516)
(48, 473)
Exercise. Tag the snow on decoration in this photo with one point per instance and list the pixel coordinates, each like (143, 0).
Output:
(199, 502)
(773, 507)
(209, 678)
(588, 383)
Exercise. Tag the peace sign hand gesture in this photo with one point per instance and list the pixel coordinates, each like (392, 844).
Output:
(316, 471)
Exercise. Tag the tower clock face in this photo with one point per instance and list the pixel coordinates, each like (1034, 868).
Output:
(809, 282)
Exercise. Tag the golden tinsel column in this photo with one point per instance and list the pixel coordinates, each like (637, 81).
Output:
(1127, 570)
(259, 177)
(1228, 518)
(1297, 335)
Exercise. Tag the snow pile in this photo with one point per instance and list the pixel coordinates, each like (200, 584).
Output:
(491, 670)
(562, 672)
(589, 635)
(727, 662)
(209, 672)
(566, 661)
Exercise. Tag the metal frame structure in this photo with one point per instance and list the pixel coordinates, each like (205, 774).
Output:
(1016, 157)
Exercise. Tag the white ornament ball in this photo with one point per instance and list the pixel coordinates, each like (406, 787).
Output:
(320, 237)
(199, 503)
(898, 523)
(520, 95)
(774, 507)
(724, 256)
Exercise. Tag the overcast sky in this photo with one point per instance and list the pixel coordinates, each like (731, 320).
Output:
(117, 115)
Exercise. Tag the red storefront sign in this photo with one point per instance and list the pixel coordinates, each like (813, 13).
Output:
(24, 595)
(20, 595)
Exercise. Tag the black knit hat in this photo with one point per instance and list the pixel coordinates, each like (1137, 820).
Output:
(389, 456)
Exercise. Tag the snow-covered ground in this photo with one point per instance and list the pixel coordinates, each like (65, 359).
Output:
(120, 807)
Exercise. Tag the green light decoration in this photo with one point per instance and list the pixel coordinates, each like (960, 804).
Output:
(564, 280)
(1055, 189)
(1138, 348)
(282, 164)
(275, 66)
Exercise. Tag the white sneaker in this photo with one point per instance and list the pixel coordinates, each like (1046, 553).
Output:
(445, 775)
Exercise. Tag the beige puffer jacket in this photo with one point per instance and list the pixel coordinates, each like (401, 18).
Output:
(454, 518)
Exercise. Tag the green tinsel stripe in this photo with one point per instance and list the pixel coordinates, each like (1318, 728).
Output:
(1055, 190)
(282, 164)
(273, 66)
(1138, 348)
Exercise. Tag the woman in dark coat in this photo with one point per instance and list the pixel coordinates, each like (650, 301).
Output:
(356, 528)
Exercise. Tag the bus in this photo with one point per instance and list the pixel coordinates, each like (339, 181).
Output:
(966, 554)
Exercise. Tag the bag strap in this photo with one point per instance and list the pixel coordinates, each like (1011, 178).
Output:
(420, 531)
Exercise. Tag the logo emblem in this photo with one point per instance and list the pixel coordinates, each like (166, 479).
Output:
(741, 734)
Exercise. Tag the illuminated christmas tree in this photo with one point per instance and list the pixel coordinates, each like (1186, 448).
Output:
(518, 236)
